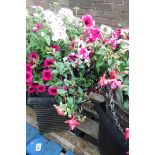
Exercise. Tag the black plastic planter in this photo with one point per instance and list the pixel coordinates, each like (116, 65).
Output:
(47, 117)
(111, 141)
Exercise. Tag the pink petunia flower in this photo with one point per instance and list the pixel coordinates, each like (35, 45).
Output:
(72, 123)
(53, 91)
(88, 21)
(37, 27)
(41, 88)
(103, 81)
(94, 34)
(47, 75)
(84, 54)
(29, 68)
(56, 47)
(116, 34)
(31, 90)
(29, 76)
(48, 62)
(59, 110)
(33, 55)
(126, 133)
(112, 42)
(72, 56)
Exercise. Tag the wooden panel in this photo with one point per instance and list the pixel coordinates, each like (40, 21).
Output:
(90, 127)
(66, 139)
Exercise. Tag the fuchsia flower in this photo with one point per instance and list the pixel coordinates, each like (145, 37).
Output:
(41, 88)
(47, 75)
(29, 68)
(103, 81)
(33, 55)
(59, 110)
(88, 21)
(31, 90)
(56, 47)
(48, 62)
(114, 83)
(126, 133)
(37, 27)
(84, 54)
(113, 74)
(73, 45)
(72, 122)
(29, 76)
(94, 34)
(72, 56)
(53, 91)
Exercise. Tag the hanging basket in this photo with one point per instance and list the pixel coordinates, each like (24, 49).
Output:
(47, 117)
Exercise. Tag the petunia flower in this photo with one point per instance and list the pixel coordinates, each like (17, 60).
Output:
(31, 90)
(59, 110)
(41, 88)
(29, 68)
(56, 47)
(53, 91)
(72, 123)
(114, 83)
(33, 55)
(37, 27)
(48, 62)
(72, 56)
(47, 75)
(88, 21)
(29, 76)
(94, 34)
(84, 54)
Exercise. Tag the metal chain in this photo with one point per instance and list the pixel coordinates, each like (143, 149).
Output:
(113, 111)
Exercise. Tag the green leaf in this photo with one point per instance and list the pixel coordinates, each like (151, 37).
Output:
(67, 82)
(126, 81)
(126, 104)
(48, 40)
(70, 101)
(55, 72)
(61, 91)
(80, 90)
(99, 64)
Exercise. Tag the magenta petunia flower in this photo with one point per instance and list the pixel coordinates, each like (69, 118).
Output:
(72, 56)
(112, 42)
(31, 90)
(37, 27)
(72, 123)
(33, 55)
(47, 75)
(116, 34)
(41, 88)
(29, 76)
(53, 91)
(29, 68)
(88, 21)
(59, 110)
(56, 47)
(48, 62)
(94, 34)
(84, 54)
